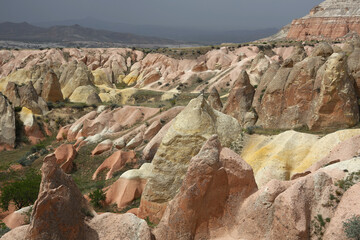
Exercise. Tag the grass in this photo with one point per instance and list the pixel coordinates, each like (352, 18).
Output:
(86, 165)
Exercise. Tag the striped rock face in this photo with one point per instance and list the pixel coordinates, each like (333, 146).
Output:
(329, 20)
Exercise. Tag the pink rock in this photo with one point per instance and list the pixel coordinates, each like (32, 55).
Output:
(151, 148)
(136, 141)
(343, 151)
(102, 147)
(115, 163)
(152, 130)
(214, 177)
(110, 226)
(124, 191)
(65, 154)
(17, 218)
(62, 134)
(60, 203)
(348, 207)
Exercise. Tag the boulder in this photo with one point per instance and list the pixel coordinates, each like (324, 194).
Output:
(62, 134)
(322, 50)
(7, 124)
(18, 218)
(111, 226)
(115, 163)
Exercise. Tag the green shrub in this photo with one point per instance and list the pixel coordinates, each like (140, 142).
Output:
(352, 227)
(318, 226)
(3, 228)
(97, 197)
(22, 192)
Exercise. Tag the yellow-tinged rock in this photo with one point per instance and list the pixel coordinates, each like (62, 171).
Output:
(132, 77)
(324, 146)
(27, 116)
(82, 93)
(100, 77)
(282, 156)
(184, 139)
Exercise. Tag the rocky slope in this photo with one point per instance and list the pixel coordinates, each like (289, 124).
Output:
(330, 20)
(194, 169)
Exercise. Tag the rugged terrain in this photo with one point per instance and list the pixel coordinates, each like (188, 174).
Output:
(245, 141)
(204, 168)
(330, 20)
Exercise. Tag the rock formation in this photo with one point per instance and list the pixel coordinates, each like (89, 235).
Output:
(129, 186)
(190, 129)
(7, 124)
(65, 154)
(215, 178)
(115, 163)
(240, 98)
(51, 89)
(55, 214)
(284, 155)
(214, 100)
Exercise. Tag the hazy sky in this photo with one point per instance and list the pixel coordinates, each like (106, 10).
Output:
(226, 14)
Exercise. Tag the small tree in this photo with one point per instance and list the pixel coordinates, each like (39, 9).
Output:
(22, 192)
(352, 227)
(97, 197)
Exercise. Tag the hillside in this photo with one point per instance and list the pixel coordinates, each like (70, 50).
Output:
(74, 33)
(330, 20)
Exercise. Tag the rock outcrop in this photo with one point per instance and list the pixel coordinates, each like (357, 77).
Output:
(330, 20)
(282, 156)
(59, 212)
(311, 93)
(74, 75)
(189, 130)
(7, 124)
(240, 98)
(214, 100)
(216, 183)
(115, 163)
(65, 155)
(336, 104)
(110, 226)
(32, 128)
(51, 89)
(129, 186)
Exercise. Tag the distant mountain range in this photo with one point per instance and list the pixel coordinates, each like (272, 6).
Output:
(92, 32)
(183, 34)
(74, 33)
